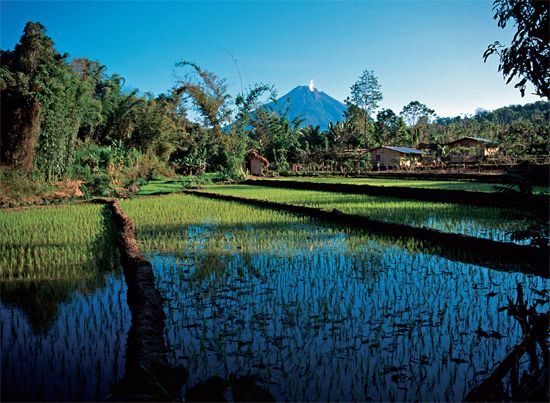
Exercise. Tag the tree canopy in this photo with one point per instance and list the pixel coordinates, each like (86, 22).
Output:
(527, 57)
(73, 118)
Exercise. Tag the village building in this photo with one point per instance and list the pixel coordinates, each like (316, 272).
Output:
(428, 147)
(255, 164)
(388, 157)
(470, 149)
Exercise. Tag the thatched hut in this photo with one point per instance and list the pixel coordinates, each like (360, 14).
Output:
(255, 164)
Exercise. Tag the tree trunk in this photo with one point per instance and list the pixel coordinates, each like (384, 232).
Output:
(20, 125)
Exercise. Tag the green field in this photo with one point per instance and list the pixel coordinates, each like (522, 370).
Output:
(64, 312)
(314, 310)
(49, 243)
(414, 183)
(173, 185)
(482, 222)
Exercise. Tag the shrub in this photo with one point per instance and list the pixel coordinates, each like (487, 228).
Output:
(98, 185)
(148, 167)
(17, 186)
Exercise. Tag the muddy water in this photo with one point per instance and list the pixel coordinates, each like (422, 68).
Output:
(319, 314)
(63, 341)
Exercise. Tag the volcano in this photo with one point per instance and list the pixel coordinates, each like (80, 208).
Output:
(314, 107)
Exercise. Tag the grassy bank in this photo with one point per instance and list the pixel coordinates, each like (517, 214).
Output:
(173, 185)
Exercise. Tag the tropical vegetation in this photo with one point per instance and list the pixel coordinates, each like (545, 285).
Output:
(70, 118)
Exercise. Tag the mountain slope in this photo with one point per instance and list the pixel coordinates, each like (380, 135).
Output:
(315, 107)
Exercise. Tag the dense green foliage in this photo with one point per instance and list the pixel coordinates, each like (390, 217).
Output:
(41, 104)
(71, 119)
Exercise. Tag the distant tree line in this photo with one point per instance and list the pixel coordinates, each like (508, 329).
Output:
(66, 118)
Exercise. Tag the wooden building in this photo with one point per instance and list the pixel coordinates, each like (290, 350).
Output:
(388, 157)
(255, 164)
(479, 148)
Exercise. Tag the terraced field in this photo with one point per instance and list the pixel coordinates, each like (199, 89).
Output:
(317, 312)
(484, 222)
(308, 310)
(64, 312)
(414, 183)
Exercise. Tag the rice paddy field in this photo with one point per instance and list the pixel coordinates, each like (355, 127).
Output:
(54, 242)
(483, 222)
(471, 186)
(312, 311)
(171, 185)
(63, 305)
(317, 312)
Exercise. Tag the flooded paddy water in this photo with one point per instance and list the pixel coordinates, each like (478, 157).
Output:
(308, 310)
(64, 312)
(321, 313)
(481, 222)
(63, 341)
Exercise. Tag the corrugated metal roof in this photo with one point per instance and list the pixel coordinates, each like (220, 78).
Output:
(405, 150)
(471, 138)
(479, 139)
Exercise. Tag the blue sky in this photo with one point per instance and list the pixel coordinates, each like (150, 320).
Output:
(429, 51)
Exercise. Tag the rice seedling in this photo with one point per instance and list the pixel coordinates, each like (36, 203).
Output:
(483, 222)
(54, 243)
(64, 311)
(425, 184)
(63, 340)
(318, 312)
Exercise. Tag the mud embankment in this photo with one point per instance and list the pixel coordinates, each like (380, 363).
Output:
(148, 376)
(505, 256)
(537, 175)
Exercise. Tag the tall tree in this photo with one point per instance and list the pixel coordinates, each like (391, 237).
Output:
(92, 75)
(247, 105)
(42, 104)
(238, 140)
(118, 109)
(414, 111)
(390, 129)
(417, 116)
(19, 88)
(366, 94)
(527, 57)
(208, 94)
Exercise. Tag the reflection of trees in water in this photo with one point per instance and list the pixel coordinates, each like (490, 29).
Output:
(40, 298)
(354, 315)
(404, 316)
(523, 373)
(66, 345)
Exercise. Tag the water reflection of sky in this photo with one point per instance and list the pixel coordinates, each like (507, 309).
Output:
(74, 355)
(320, 314)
